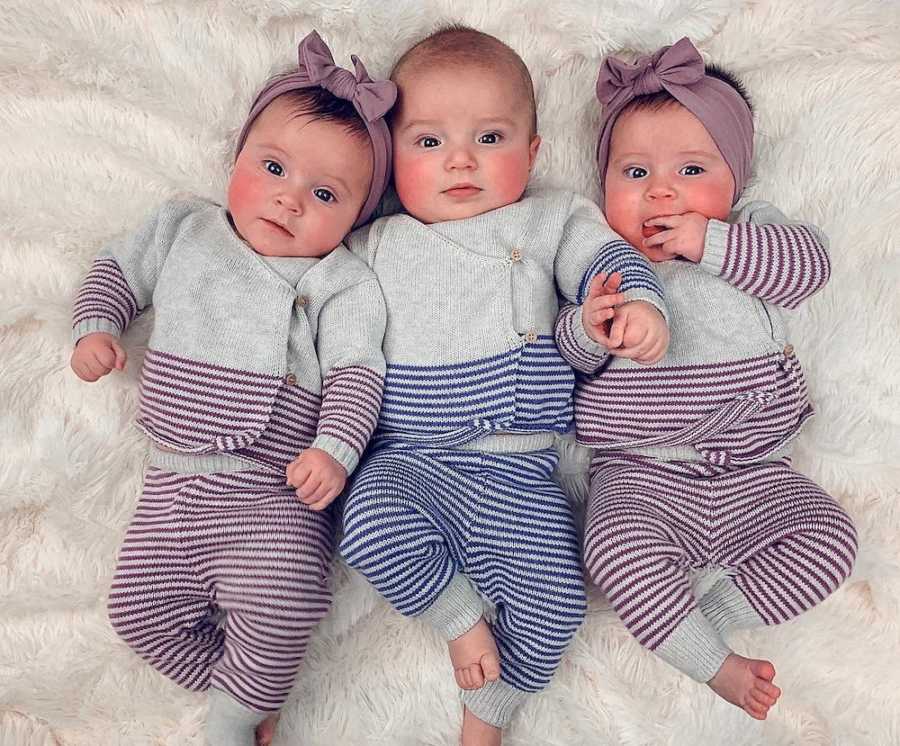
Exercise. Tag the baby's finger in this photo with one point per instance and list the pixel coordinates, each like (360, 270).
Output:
(658, 239)
(84, 372)
(597, 284)
(326, 500)
(606, 301)
(96, 366)
(307, 490)
(298, 473)
(613, 282)
(665, 221)
(601, 315)
(121, 356)
(616, 332)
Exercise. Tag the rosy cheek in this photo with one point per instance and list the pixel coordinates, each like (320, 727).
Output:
(243, 190)
(510, 174)
(414, 180)
(624, 218)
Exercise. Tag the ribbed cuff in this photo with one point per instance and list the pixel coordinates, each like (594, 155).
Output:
(695, 648)
(89, 326)
(495, 703)
(588, 347)
(715, 246)
(230, 723)
(648, 297)
(456, 609)
(345, 454)
(727, 608)
(190, 463)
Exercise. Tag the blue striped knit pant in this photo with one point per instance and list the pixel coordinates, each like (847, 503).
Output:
(769, 541)
(236, 542)
(417, 517)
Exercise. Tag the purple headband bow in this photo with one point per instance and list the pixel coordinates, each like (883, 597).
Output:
(679, 70)
(372, 99)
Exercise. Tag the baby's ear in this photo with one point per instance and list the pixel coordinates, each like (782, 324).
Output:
(533, 150)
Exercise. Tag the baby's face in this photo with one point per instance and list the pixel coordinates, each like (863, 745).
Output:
(462, 143)
(663, 162)
(298, 184)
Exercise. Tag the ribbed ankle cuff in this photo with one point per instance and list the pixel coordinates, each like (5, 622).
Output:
(495, 703)
(695, 648)
(727, 608)
(456, 609)
(229, 723)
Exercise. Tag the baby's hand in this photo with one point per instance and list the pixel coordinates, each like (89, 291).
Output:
(599, 307)
(318, 477)
(644, 332)
(97, 354)
(683, 235)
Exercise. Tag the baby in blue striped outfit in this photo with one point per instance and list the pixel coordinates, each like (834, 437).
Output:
(454, 502)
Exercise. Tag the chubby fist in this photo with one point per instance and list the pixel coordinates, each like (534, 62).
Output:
(97, 354)
(644, 332)
(318, 477)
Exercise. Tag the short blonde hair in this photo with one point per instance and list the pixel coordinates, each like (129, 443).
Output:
(462, 46)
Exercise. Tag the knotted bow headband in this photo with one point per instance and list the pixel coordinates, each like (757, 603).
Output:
(679, 70)
(372, 99)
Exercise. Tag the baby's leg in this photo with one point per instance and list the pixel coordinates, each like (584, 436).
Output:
(404, 525)
(268, 556)
(646, 527)
(524, 555)
(158, 604)
(790, 546)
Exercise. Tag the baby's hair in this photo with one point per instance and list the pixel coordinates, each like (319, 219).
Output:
(656, 101)
(456, 46)
(324, 106)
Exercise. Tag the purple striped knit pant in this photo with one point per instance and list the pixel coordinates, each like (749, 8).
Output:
(768, 541)
(236, 542)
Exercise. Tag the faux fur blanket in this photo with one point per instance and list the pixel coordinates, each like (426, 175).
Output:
(107, 107)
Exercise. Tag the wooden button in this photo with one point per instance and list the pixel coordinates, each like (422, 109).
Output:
(290, 379)
(516, 255)
(301, 301)
(531, 337)
(789, 350)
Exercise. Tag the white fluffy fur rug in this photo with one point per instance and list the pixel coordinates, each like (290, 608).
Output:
(109, 106)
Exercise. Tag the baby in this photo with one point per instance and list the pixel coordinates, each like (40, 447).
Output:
(455, 500)
(697, 523)
(264, 362)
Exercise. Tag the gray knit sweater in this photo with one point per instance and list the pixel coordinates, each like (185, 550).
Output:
(730, 389)
(471, 306)
(251, 358)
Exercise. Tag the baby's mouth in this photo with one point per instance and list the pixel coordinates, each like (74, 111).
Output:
(279, 227)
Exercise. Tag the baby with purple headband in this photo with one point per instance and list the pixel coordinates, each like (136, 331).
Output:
(697, 524)
(260, 389)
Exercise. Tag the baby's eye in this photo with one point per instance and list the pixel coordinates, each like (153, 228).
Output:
(273, 167)
(691, 171)
(635, 172)
(324, 195)
(428, 142)
(490, 138)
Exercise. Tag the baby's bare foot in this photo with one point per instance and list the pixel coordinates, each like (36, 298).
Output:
(476, 732)
(265, 731)
(747, 683)
(474, 656)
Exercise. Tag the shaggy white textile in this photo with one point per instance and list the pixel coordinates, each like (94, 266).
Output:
(109, 106)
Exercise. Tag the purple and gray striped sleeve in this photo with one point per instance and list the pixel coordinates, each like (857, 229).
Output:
(780, 263)
(105, 302)
(573, 342)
